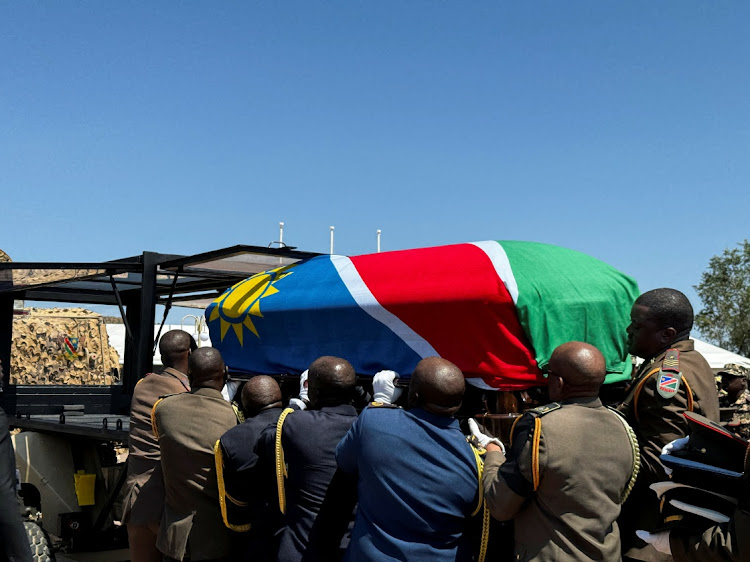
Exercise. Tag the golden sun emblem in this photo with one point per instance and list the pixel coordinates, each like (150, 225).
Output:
(236, 307)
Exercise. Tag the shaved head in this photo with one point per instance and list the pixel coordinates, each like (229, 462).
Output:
(206, 369)
(259, 393)
(576, 369)
(331, 381)
(437, 386)
(174, 347)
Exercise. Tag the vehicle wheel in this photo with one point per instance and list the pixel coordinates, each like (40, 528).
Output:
(41, 550)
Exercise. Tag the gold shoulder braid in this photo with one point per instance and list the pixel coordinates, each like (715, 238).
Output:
(223, 495)
(636, 455)
(486, 513)
(281, 470)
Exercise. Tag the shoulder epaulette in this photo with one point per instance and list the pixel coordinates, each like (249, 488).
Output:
(153, 413)
(671, 361)
(668, 383)
(382, 405)
(540, 411)
(238, 413)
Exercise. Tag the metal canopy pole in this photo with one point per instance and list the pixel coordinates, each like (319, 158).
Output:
(167, 307)
(144, 339)
(6, 336)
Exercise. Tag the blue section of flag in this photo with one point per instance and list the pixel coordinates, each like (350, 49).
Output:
(311, 315)
(667, 380)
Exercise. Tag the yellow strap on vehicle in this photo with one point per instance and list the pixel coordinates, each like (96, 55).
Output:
(486, 514)
(281, 471)
(219, 461)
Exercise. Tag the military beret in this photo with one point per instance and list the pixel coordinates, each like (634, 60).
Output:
(735, 370)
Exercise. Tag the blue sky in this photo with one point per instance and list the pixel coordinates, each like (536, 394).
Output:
(621, 130)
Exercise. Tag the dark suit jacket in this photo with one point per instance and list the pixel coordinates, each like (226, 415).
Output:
(309, 439)
(250, 503)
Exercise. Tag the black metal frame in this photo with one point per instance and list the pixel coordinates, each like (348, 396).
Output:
(152, 278)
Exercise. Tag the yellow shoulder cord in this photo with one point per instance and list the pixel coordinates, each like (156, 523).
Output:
(281, 471)
(535, 452)
(486, 514)
(219, 460)
(689, 394)
(636, 394)
(153, 419)
(636, 457)
(513, 428)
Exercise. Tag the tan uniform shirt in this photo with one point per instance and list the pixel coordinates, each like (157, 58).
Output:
(188, 426)
(144, 489)
(585, 463)
(657, 421)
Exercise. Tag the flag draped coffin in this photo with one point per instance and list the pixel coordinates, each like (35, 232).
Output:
(496, 309)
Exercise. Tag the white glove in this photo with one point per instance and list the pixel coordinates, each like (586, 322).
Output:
(660, 541)
(303, 386)
(302, 400)
(229, 390)
(384, 388)
(482, 438)
(301, 405)
(671, 447)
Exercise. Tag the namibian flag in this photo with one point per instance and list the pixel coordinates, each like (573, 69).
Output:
(496, 309)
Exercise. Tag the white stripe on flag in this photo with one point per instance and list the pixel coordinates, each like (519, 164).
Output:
(367, 302)
(499, 260)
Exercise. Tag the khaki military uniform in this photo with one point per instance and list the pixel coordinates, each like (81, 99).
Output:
(188, 426)
(657, 421)
(144, 488)
(564, 500)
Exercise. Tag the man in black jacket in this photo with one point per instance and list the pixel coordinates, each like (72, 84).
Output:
(246, 487)
(308, 445)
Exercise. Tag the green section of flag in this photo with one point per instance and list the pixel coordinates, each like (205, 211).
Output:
(564, 295)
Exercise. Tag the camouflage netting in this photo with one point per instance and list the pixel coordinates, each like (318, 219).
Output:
(62, 346)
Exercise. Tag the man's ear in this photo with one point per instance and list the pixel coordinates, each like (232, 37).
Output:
(668, 335)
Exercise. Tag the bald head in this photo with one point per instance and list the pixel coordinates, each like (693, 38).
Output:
(576, 369)
(260, 393)
(437, 386)
(331, 382)
(175, 347)
(206, 369)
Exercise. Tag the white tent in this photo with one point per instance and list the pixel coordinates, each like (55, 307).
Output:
(116, 333)
(717, 357)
